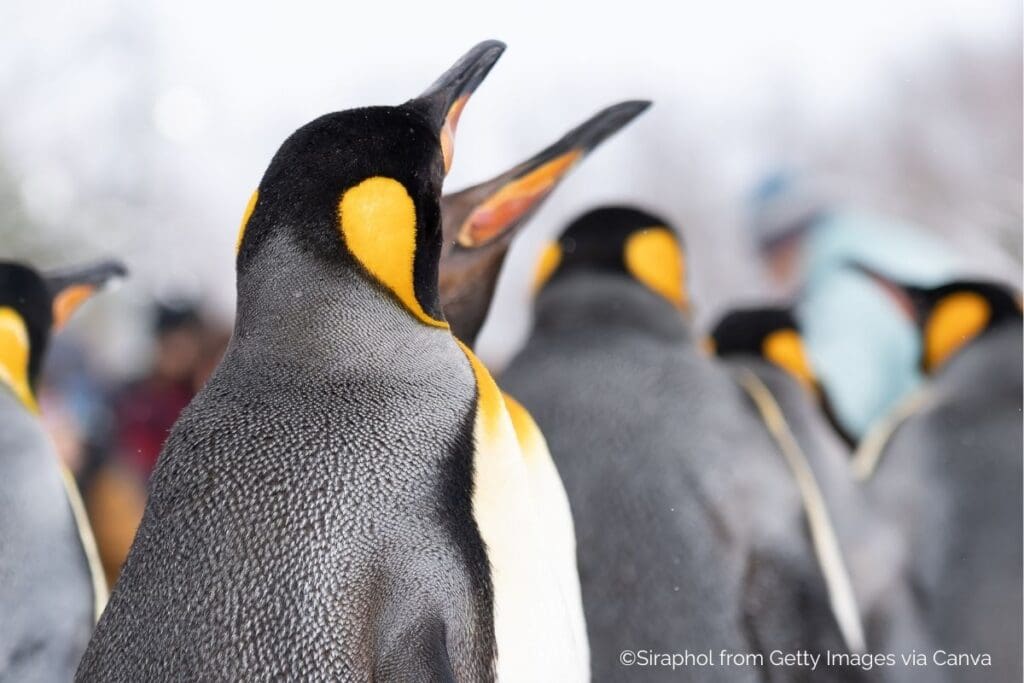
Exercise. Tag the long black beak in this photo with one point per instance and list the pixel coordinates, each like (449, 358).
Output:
(913, 301)
(496, 208)
(94, 275)
(444, 100)
(479, 222)
(70, 288)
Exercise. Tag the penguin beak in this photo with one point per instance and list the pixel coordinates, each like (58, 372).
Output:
(445, 99)
(73, 287)
(479, 222)
(912, 301)
(491, 210)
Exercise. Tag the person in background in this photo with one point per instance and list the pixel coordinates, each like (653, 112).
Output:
(148, 408)
(144, 412)
(864, 349)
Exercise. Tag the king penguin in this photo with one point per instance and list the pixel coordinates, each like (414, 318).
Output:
(862, 554)
(680, 504)
(948, 469)
(346, 498)
(51, 585)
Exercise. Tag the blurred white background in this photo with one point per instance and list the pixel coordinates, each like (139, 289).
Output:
(140, 129)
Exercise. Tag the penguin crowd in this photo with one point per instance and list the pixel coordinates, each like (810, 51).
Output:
(355, 496)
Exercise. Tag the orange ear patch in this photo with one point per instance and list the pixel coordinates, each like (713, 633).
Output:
(955, 320)
(14, 357)
(502, 209)
(249, 208)
(653, 256)
(785, 349)
(67, 301)
(378, 222)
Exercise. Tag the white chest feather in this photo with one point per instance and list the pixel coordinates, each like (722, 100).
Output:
(523, 517)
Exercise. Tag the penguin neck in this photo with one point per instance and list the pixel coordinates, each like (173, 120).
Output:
(596, 301)
(295, 305)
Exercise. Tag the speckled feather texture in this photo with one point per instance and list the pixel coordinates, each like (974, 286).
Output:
(310, 515)
(687, 522)
(332, 505)
(46, 594)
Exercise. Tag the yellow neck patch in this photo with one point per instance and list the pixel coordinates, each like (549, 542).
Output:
(528, 434)
(249, 208)
(14, 357)
(550, 258)
(955, 320)
(490, 404)
(709, 346)
(785, 349)
(653, 257)
(378, 222)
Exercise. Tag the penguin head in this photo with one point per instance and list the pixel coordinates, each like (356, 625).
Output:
(363, 186)
(771, 334)
(950, 316)
(620, 240)
(32, 305)
(479, 222)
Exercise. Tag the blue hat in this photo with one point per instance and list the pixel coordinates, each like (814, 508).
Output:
(782, 206)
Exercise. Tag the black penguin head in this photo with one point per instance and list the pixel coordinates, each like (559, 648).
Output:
(364, 185)
(950, 316)
(621, 240)
(479, 222)
(771, 334)
(31, 306)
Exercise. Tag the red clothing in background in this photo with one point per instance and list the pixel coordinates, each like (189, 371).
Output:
(145, 413)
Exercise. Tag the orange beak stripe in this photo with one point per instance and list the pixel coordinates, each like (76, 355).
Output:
(451, 122)
(513, 200)
(69, 299)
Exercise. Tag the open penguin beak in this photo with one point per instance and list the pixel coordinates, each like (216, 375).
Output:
(72, 287)
(478, 223)
(491, 210)
(445, 99)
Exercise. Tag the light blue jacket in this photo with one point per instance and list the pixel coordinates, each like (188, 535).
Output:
(864, 349)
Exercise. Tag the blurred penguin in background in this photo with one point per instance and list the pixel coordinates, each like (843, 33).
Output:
(948, 470)
(51, 586)
(689, 530)
(865, 350)
(764, 348)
